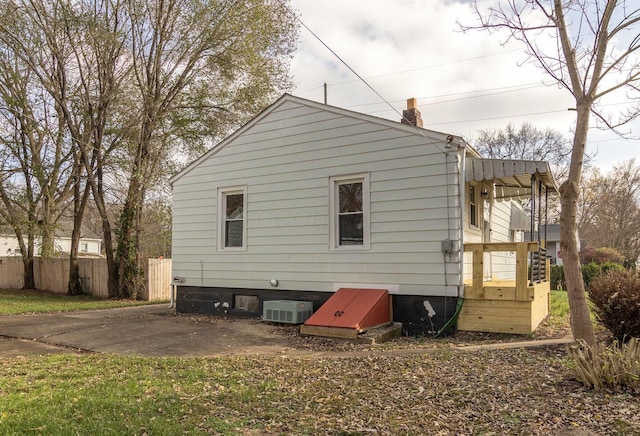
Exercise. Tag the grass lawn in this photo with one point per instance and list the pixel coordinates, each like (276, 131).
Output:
(522, 391)
(444, 391)
(14, 302)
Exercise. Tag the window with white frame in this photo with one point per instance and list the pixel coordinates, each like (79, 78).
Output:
(473, 206)
(232, 218)
(349, 201)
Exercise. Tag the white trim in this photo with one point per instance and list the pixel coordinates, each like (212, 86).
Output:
(334, 182)
(221, 209)
(392, 288)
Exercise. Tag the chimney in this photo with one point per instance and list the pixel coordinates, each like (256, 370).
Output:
(412, 114)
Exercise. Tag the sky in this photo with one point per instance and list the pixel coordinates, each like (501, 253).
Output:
(464, 82)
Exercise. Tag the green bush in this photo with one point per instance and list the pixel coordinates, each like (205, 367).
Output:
(616, 302)
(600, 366)
(611, 266)
(589, 272)
(557, 278)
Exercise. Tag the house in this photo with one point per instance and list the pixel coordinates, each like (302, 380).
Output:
(90, 244)
(551, 235)
(306, 199)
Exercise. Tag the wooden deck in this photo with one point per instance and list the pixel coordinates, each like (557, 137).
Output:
(504, 306)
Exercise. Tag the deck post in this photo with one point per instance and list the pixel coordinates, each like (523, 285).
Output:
(478, 272)
(522, 251)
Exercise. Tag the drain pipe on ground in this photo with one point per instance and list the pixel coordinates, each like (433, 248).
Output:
(461, 183)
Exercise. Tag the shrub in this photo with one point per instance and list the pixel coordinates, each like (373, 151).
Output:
(600, 255)
(611, 266)
(616, 302)
(557, 277)
(587, 254)
(590, 271)
(615, 366)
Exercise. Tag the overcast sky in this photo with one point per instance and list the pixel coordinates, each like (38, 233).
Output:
(464, 82)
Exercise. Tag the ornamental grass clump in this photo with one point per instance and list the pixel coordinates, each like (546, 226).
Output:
(600, 366)
(616, 302)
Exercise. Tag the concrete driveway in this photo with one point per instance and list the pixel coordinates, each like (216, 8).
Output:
(151, 330)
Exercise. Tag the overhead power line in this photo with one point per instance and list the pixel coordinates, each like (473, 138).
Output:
(348, 66)
(395, 73)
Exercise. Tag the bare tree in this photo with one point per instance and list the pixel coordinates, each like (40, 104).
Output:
(198, 67)
(613, 219)
(529, 143)
(72, 49)
(595, 56)
(35, 150)
(134, 80)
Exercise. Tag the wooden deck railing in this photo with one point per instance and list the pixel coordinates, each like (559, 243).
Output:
(539, 272)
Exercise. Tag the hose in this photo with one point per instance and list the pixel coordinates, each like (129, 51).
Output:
(453, 319)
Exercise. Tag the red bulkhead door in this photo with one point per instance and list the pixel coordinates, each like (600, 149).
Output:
(353, 309)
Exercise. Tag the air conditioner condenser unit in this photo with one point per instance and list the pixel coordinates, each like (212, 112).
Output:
(287, 311)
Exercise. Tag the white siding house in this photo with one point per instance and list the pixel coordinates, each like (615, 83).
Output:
(307, 198)
(9, 245)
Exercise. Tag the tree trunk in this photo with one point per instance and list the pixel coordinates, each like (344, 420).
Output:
(29, 275)
(27, 257)
(79, 205)
(47, 226)
(128, 253)
(96, 182)
(28, 249)
(581, 325)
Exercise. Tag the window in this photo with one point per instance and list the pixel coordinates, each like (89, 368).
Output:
(473, 206)
(349, 197)
(232, 219)
(84, 247)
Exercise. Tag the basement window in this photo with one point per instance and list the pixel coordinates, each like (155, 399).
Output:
(246, 303)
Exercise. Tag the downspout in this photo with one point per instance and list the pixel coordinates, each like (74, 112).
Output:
(173, 290)
(463, 172)
(461, 183)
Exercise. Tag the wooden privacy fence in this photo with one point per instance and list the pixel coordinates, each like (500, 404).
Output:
(158, 280)
(53, 275)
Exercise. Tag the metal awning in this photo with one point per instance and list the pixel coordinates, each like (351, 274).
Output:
(511, 178)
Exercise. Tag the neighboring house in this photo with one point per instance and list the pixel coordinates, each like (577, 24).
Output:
(307, 198)
(90, 244)
(551, 235)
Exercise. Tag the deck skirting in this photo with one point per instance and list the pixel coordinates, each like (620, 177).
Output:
(499, 311)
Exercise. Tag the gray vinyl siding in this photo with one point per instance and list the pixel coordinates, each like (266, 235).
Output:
(285, 159)
(503, 264)
(472, 234)
(497, 265)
